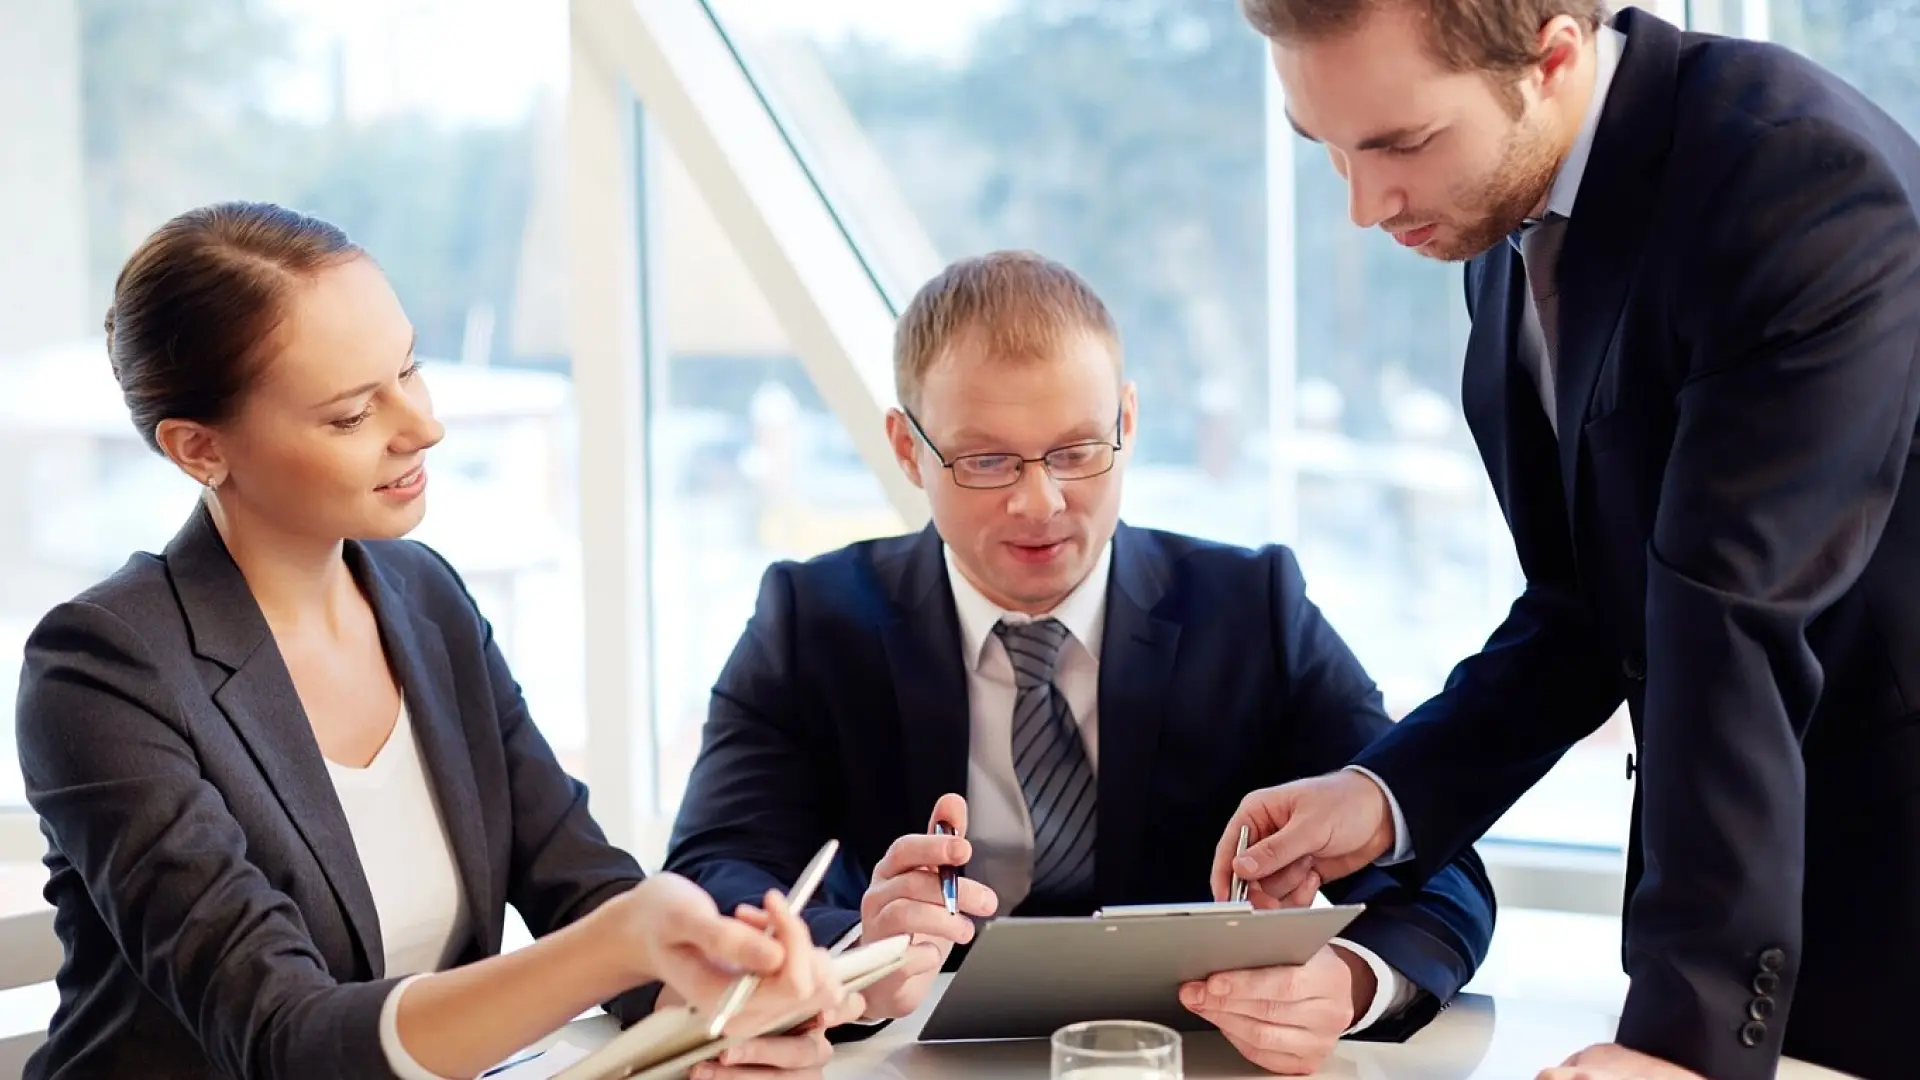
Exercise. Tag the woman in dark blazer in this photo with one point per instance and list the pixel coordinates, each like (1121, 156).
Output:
(287, 782)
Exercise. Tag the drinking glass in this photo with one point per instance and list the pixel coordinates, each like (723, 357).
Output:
(1116, 1050)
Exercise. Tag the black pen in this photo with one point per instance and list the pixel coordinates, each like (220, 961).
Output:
(949, 875)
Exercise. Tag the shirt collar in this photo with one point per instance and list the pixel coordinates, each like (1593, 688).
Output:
(1083, 612)
(1566, 183)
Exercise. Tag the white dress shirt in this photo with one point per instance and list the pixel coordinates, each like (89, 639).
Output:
(998, 825)
(401, 838)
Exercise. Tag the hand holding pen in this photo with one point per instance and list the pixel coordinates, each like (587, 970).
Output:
(672, 932)
(913, 886)
(1237, 892)
(949, 874)
(781, 915)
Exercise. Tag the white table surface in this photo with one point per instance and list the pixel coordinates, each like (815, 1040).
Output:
(1476, 1038)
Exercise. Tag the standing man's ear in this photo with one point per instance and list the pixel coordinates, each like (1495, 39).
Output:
(906, 445)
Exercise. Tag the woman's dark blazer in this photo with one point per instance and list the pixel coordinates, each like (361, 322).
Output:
(208, 895)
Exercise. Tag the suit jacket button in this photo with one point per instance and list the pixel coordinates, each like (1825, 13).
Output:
(1772, 960)
(1634, 667)
(1631, 768)
(1766, 983)
(1760, 1008)
(1753, 1033)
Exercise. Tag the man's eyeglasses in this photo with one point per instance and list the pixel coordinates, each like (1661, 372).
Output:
(1075, 461)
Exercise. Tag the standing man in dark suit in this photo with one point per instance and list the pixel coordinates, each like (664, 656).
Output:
(1694, 280)
(1082, 701)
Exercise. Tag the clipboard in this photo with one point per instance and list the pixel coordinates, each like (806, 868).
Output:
(1025, 978)
(667, 1044)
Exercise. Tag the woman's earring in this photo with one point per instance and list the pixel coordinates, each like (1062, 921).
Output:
(211, 483)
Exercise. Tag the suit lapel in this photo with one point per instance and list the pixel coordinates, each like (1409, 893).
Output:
(1494, 281)
(1607, 230)
(1504, 412)
(260, 702)
(418, 656)
(922, 636)
(1136, 672)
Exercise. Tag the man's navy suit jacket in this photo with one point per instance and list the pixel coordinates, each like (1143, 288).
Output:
(843, 713)
(1725, 535)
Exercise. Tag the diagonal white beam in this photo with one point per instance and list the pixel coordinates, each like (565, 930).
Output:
(837, 319)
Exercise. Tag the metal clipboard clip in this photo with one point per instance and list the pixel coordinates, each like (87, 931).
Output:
(1141, 911)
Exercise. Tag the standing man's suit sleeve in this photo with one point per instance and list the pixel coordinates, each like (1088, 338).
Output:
(762, 793)
(1436, 934)
(1796, 423)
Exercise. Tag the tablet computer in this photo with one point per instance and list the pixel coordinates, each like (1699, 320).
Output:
(1027, 978)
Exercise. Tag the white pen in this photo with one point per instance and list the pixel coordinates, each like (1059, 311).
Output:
(1237, 892)
(736, 996)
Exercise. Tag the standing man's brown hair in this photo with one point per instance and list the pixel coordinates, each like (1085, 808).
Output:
(1465, 35)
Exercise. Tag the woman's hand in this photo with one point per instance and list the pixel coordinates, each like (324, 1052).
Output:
(801, 979)
(799, 1054)
(669, 930)
(681, 939)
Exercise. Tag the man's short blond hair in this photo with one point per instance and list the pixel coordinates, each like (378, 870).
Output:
(1021, 306)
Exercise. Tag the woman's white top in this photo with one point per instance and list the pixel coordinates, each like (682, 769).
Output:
(407, 857)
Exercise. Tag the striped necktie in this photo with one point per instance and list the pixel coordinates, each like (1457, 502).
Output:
(1540, 256)
(1051, 762)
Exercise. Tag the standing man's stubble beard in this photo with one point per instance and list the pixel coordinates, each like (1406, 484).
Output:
(1528, 162)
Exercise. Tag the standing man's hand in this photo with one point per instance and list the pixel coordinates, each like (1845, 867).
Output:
(905, 898)
(1608, 1061)
(1306, 833)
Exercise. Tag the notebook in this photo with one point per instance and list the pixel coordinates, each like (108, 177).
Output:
(672, 1041)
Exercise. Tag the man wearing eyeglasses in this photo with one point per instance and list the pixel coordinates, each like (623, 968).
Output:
(1081, 702)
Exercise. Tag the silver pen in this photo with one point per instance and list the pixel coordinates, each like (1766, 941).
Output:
(1237, 892)
(949, 877)
(736, 996)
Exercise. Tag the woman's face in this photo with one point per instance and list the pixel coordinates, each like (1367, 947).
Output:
(331, 439)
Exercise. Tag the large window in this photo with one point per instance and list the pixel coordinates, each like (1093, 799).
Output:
(431, 131)
(1299, 377)
(748, 464)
